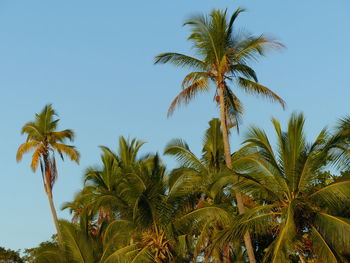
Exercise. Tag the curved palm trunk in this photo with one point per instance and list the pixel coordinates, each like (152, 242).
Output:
(55, 218)
(48, 189)
(227, 152)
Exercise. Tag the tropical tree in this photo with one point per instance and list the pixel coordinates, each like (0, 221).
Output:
(32, 255)
(223, 58)
(104, 186)
(10, 256)
(125, 201)
(299, 212)
(195, 180)
(44, 140)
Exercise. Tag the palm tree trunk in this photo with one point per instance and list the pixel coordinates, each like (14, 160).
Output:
(227, 152)
(48, 189)
(55, 218)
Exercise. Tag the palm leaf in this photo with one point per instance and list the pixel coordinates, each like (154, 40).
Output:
(179, 60)
(188, 93)
(252, 87)
(68, 150)
(25, 148)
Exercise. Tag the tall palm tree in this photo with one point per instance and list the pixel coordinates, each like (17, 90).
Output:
(44, 140)
(223, 57)
(301, 214)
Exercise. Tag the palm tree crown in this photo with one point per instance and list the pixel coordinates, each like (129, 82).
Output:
(223, 56)
(44, 139)
(295, 208)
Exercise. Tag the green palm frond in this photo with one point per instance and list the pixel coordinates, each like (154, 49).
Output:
(243, 70)
(51, 256)
(249, 48)
(78, 246)
(184, 182)
(128, 150)
(341, 144)
(179, 60)
(67, 150)
(61, 136)
(193, 77)
(188, 93)
(195, 220)
(180, 150)
(116, 236)
(232, 20)
(256, 220)
(255, 88)
(334, 229)
(122, 255)
(324, 250)
(335, 195)
(33, 132)
(283, 245)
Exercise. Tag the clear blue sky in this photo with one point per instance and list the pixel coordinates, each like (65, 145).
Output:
(94, 61)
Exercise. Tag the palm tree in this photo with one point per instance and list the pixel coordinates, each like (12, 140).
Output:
(301, 214)
(224, 56)
(44, 139)
(196, 180)
(104, 186)
(131, 191)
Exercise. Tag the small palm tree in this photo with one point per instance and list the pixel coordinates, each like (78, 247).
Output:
(104, 186)
(223, 57)
(44, 139)
(301, 214)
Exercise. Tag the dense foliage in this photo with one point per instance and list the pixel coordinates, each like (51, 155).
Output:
(10, 256)
(272, 200)
(131, 209)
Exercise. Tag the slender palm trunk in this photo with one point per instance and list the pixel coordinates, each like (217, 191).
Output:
(55, 218)
(227, 152)
(48, 189)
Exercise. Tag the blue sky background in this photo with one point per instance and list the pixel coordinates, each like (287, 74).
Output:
(94, 61)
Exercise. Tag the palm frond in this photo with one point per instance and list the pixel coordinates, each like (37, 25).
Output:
(36, 157)
(180, 150)
(187, 94)
(68, 150)
(244, 70)
(33, 132)
(336, 230)
(335, 195)
(251, 47)
(252, 87)
(324, 250)
(78, 245)
(279, 249)
(179, 60)
(25, 148)
(233, 19)
(61, 136)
